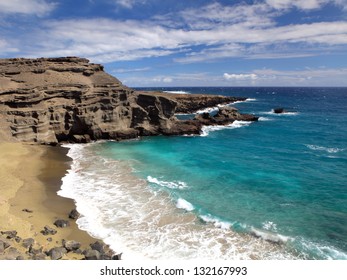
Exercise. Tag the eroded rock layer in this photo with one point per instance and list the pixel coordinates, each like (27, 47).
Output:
(50, 100)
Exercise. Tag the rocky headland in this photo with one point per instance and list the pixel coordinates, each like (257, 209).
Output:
(69, 99)
(59, 100)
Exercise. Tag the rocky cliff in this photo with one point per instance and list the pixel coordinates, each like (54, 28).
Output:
(51, 100)
(191, 103)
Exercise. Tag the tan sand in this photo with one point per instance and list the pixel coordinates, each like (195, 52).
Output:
(30, 176)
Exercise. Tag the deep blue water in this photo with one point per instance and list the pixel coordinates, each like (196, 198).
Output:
(282, 179)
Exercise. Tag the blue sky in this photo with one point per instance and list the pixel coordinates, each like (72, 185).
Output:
(187, 42)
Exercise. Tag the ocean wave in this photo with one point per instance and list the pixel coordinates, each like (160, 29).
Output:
(264, 119)
(270, 236)
(324, 149)
(216, 222)
(247, 100)
(170, 185)
(320, 251)
(268, 225)
(109, 196)
(177, 91)
(236, 124)
(184, 204)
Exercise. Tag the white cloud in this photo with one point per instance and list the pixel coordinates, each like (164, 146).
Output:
(6, 47)
(34, 7)
(342, 3)
(162, 80)
(218, 15)
(301, 4)
(122, 70)
(320, 76)
(214, 53)
(112, 40)
(240, 76)
(219, 32)
(304, 4)
(129, 4)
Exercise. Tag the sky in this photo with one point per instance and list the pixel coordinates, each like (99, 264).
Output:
(173, 43)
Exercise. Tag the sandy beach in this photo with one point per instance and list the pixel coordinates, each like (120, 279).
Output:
(30, 177)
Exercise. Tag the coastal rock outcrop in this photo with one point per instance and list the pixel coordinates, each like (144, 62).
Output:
(191, 103)
(68, 99)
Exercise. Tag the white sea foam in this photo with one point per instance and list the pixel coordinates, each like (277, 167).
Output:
(184, 204)
(268, 225)
(216, 222)
(324, 149)
(270, 236)
(215, 108)
(247, 100)
(236, 124)
(208, 110)
(264, 119)
(321, 251)
(170, 185)
(143, 222)
(177, 91)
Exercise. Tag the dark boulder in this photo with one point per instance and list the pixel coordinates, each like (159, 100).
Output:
(3, 246)
(117, 257)
(28, 242)
(9, 234)
(12, 253)
(47, 230)
(39, 256)
(98, 246)
(71, 245)
(35, 249)
(18, 239)
(279, 110)
(57, 253)
(91, 254)
(61, 223)
(74, 215)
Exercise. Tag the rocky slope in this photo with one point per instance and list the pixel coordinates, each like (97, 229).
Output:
(51, 100)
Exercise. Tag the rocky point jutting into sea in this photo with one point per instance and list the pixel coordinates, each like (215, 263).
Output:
(58, 100)
(68, 99)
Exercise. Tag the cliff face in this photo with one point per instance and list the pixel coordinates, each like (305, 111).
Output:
(69, 99)
(51, 100)
(190, 103)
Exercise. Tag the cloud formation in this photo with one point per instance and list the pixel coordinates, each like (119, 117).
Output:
(28, 7)
(128, 4)
(193, 35)
(108, 40)
(240, 76)
(304, 5)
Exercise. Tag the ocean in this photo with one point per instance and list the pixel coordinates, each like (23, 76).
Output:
(272, 189)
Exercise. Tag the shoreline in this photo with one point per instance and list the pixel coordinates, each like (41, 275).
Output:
(30, 177)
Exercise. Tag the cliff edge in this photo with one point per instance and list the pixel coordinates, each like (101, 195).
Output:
(52, 100)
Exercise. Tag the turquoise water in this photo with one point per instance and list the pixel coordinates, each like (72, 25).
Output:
(281, 181)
